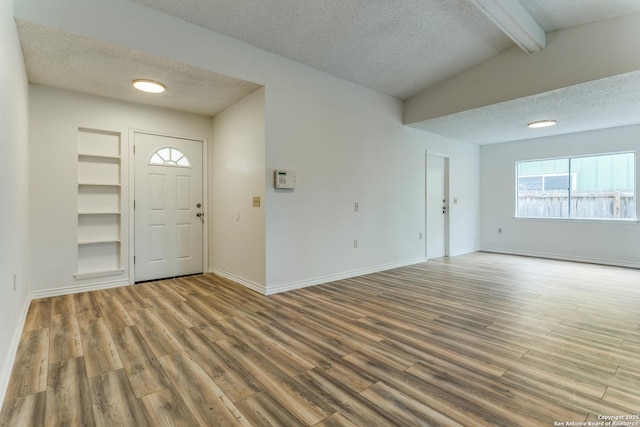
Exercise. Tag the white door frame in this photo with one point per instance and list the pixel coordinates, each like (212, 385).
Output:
(205, 198)
(446, 197)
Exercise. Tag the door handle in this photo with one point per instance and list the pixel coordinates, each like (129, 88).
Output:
(200, 214)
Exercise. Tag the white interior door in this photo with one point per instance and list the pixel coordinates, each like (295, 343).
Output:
(168, 207)
(437, 207)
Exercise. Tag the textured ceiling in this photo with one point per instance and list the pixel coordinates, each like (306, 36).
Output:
(554, 15)
(599, 104)
(66, 61)
(395, 47)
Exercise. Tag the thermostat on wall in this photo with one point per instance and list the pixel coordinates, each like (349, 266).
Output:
(283, 178)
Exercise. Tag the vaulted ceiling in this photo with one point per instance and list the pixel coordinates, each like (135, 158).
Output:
(403, 49)
(395, 47)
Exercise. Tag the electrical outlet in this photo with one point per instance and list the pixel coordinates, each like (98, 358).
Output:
(356, 206)
(499, 230)
(420, 236)
(355, 244)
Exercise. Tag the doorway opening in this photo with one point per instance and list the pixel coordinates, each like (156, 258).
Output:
(437, 205)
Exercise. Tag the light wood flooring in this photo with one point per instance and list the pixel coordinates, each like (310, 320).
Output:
(475, 340)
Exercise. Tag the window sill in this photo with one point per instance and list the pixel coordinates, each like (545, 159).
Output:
(579, 220)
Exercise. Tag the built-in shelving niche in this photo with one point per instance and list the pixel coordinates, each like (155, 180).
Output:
(99, 203)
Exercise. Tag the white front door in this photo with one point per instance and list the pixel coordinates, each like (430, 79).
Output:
(437, 207)
(168, 207)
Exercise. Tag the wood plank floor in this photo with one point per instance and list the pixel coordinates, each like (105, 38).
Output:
(475, 340)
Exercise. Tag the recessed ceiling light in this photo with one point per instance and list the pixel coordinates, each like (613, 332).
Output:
(542, 123)
(149, 86)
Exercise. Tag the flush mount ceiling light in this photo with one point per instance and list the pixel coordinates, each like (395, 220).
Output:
(542, 124)
(149, 86)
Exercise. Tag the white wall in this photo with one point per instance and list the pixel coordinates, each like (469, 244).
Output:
(236, 175)
(346, 142)
(347, 145)
(55, 116)
(14, 211)
(464, 185)
(593, 241)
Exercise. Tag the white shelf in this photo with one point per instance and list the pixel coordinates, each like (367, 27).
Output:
(99, 204)
(99, 142)
(99, 213)
(99, 156)
(94, 274)
(98, 169)
(99, 198)
(99, 184)
(97, 242)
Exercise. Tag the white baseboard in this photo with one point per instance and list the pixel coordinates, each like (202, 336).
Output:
(76, 289)
(5, 375)
(463, 251)
(244, 282)
(311, 282)
(345, 275)
(562, 257)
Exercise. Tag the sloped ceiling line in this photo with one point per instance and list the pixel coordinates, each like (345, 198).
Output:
(445, 59)
(515, 22)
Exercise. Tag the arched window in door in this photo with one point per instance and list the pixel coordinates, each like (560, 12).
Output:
(169, 156)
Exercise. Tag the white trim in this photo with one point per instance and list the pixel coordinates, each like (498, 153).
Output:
(76, 289)
(261, 289)
(12, 351)
(561, 257)
(333, 277)
(205, 204)
(463, 251)
(312, 282)
(131, 217)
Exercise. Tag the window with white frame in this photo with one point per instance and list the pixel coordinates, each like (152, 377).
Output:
(586, 187)
(169, 156)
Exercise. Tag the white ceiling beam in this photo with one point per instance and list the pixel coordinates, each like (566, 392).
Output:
(514, 20)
